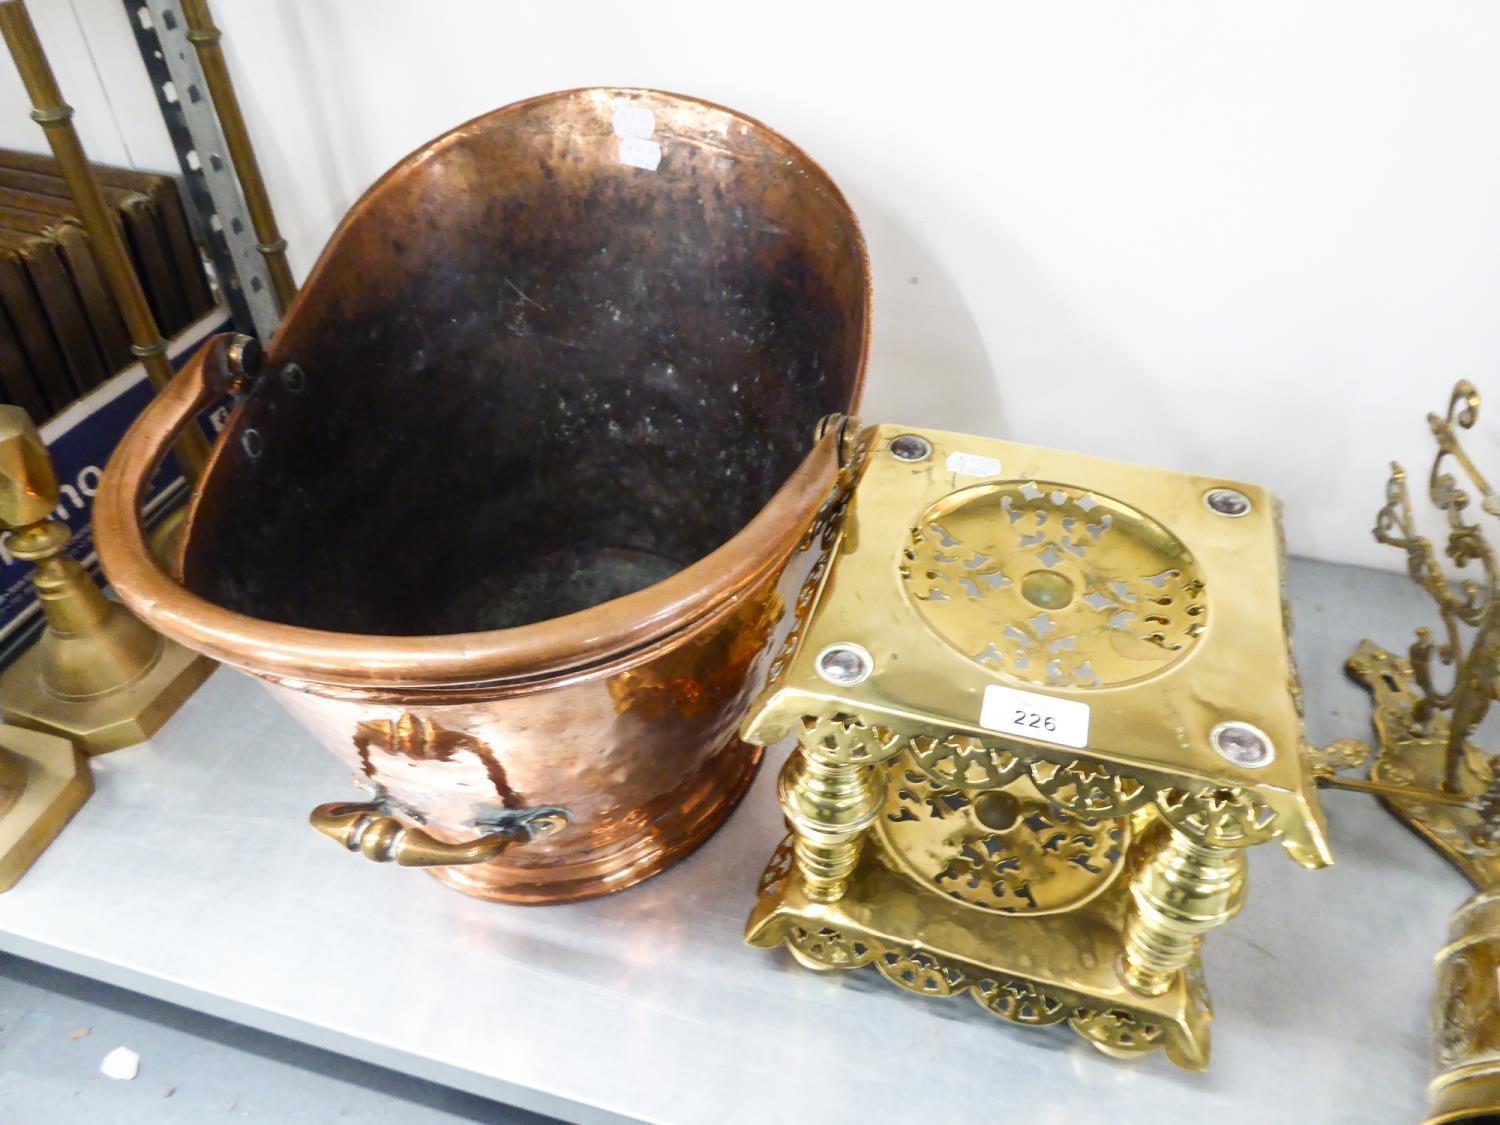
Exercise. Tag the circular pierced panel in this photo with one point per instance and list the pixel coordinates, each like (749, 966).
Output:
(1053, 585)
(1005, 850)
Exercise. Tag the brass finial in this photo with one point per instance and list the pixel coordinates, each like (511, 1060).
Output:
(97, 676)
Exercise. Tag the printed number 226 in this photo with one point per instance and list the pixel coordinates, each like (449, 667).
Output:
(1034, 720)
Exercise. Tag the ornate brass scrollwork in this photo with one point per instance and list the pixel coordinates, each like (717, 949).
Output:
(1426, 766)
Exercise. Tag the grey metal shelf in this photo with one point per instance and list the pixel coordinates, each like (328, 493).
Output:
(191, 876)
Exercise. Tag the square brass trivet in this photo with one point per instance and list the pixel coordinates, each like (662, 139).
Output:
(1043, 702)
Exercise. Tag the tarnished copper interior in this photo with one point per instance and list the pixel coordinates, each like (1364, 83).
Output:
(537, 378)
(513, 532)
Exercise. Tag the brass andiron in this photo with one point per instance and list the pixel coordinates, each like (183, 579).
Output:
(97, 676)
(44, 780)
(1010, 783)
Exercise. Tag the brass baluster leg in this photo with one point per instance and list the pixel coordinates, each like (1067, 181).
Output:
(1180, 893)
(829, 805)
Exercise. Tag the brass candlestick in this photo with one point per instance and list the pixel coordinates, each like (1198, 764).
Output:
(97, 676)
(1427, 770)
(43, 782)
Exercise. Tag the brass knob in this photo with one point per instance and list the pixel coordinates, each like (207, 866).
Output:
(28, 486)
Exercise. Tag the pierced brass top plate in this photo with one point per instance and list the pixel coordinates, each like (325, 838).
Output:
(1148, 602)
(1052, 584)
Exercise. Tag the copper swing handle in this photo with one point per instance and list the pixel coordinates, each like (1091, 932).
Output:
(365, 828)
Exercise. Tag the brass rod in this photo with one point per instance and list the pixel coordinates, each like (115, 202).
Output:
(203, 35)
(55, 117)
(1396, 792)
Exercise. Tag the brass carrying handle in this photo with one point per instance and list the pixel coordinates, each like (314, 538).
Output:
(365, 828)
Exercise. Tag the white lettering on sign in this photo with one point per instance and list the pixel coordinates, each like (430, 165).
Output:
(1041, 718)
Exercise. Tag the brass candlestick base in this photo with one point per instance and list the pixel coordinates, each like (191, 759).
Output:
(113, 719)
(1037, 729)
(97, 676)
(43, 781)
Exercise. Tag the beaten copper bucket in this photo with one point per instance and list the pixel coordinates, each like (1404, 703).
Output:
(502, 515)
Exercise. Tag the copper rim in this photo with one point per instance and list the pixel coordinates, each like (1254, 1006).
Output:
(588, 639)
(580, 643)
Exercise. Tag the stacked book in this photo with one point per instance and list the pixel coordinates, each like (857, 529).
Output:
(61, 332)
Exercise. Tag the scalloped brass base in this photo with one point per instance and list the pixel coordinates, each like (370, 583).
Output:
(1032, 970)
(47, 781)
(107, 722)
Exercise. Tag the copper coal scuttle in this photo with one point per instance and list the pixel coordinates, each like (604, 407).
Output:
(502, 513)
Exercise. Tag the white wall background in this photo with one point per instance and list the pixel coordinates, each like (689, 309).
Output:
(1258, 240)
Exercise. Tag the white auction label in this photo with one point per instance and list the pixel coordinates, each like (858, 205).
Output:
(1042, 718)
(973, 465)
(640, 153)
(634, 121)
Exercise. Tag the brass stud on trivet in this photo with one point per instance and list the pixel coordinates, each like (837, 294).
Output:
(97, 676)
(44, 780)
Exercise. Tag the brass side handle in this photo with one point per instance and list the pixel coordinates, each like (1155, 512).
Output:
(365, 828)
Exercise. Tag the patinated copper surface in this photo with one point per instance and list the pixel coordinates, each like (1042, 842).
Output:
(512, 534)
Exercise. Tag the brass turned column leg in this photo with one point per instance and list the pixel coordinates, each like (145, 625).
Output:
(829, 805)
(1180, 893)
